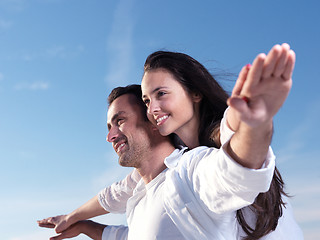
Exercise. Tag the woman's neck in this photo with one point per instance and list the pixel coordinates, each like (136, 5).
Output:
(189, 133)
(189, 136)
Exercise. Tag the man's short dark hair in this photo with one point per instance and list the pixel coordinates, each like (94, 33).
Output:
(133, 89)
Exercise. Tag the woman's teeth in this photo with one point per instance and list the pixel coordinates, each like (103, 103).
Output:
(162, 118)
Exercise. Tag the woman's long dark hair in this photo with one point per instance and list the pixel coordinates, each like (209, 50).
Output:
(195, 78)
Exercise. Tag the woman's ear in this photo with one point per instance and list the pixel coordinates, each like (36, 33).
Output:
(196, 97)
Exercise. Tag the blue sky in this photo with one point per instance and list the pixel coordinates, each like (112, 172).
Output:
(60, 59)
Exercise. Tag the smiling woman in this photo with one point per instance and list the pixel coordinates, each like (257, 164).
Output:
(182, 97)
(164, 98)
(193, 91)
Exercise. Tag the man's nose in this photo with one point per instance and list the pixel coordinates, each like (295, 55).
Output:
(112, 135)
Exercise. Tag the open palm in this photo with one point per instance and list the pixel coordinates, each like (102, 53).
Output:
(261, 90)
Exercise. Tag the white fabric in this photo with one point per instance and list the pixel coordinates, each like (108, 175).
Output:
(205, 187)
(197, 213)
(146, 216)
(114, 198)
(115, 232)
(210, 187)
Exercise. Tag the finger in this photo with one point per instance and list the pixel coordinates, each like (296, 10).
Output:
(280, 66)
(271, 61)
(43, 220)
(59, 237)
(240, 81)
(254, 74)
(46, 225)
(287, 74)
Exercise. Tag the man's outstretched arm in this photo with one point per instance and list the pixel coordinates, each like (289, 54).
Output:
(92, 229)
(90, 209)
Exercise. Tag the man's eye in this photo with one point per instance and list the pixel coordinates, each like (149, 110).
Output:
(120, 121)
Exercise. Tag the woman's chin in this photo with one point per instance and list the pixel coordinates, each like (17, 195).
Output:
(164, 131)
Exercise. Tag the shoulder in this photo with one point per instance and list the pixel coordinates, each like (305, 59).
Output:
(198, 153)
(190, 159)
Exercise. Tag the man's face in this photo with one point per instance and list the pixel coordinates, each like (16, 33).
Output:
(129, 133)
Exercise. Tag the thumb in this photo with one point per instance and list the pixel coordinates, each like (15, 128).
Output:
(61, 227)
(239, 103)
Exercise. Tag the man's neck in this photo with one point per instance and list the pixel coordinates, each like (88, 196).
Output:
(154, 162)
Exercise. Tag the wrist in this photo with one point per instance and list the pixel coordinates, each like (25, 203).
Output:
(84, 226)
(72, 218)
(264, 128)
(92, 229)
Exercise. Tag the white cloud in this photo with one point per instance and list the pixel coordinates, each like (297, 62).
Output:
(313, 188)
(113, 173)
(299, 164)
(306, 215)
(5, 24)
(312, 234)
(57, 51)
(301, 135)
(119, 45)
(41, 234)
(305, 200)
(34, 86)
(12, 5)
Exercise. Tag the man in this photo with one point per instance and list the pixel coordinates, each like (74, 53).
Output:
(138, 144)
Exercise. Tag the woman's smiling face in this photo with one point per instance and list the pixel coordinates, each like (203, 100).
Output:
(170, 106)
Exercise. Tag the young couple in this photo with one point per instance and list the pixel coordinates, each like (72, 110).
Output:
(223, 184)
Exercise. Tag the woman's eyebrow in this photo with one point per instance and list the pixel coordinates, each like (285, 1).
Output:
(155, 90)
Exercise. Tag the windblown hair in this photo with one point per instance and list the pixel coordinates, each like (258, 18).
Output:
(195, 78)
(133, 89)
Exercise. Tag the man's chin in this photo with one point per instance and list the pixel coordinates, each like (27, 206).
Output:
(124, 162)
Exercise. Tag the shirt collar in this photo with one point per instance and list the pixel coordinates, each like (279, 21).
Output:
(172, 160)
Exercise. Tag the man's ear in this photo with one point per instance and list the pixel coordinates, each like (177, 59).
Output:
(196, 97)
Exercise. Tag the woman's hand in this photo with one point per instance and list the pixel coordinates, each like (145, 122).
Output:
(261, 89)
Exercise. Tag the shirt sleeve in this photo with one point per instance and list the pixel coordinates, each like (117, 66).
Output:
(223, 185)
(114, 198)
(225, 132)
(115, 233)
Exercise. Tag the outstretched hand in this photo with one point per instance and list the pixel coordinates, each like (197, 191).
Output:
(71, 232)
(92, 229)
(262, 88)
(60, 223)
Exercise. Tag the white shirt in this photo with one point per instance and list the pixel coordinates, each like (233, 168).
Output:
(146, 215)
(200, 192)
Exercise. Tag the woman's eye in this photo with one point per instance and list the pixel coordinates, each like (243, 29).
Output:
(146, 101)
(160, 93)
